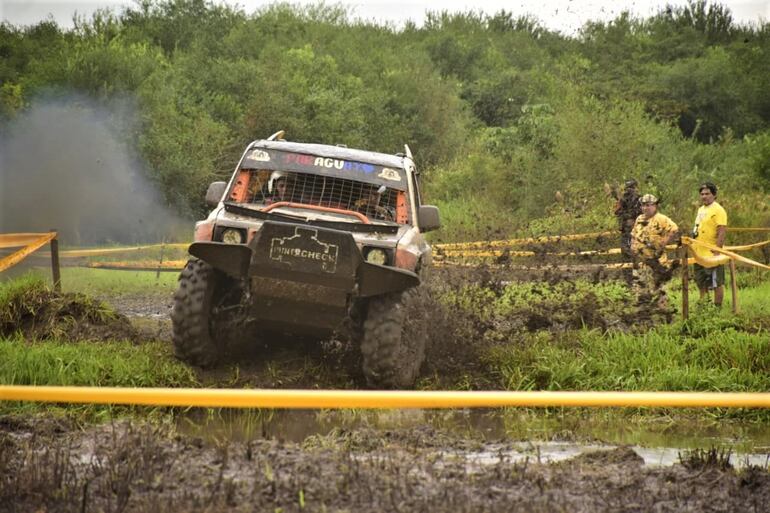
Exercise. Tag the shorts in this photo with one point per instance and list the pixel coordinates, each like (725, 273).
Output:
(709, 277)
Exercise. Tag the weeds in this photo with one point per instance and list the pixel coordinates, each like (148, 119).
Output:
(702, 459)
(582, 336)
(28, 306)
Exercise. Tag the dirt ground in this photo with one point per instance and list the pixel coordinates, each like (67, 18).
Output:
(49, 465)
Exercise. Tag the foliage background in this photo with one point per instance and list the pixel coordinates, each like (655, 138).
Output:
(517, 128)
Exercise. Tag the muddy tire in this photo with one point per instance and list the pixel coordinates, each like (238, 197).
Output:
(191, 315)
(394, 340)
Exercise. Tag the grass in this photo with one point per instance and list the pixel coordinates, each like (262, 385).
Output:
(580, 345)
(104, 282)
(107, 364)
(661, 359)
(713, 351)
(10, 291)
(101, 282)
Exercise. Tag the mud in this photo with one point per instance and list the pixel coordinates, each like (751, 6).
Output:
(405, 461)
(460, 333)
(49, 466)
(38, 313)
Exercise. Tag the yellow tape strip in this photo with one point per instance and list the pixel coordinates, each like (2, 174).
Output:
(15, 240)
(513, 242)
(502, 252)
(229, 398)
(748, 247)
(614, 251)
(718, 260)
(169, 265)
(18, 256)
(563, 267)
(78, 253)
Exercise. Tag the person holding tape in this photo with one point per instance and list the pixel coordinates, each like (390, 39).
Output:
(711, 227)
(651, 233)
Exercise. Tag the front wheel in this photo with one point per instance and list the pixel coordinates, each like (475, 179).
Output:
(394, 339)
(202, 289)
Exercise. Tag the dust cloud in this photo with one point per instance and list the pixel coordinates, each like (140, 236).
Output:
(64, 165)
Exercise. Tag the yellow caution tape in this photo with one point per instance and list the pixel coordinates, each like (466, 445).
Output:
(560, 267)
(79, 253)
(169, 265)
(718, 260)
(15, 240)
(514, 242)
(748, 247)
(17, 256)
(240, 398)
(502, 252)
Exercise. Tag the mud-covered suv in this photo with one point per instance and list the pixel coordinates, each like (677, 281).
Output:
(311, 239)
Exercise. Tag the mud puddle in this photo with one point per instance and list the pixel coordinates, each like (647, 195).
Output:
(554, 452)
(482, 437)
(49, 466)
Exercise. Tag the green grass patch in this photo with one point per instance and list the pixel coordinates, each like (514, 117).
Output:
(661, 359)
(108, 282)
(12, 291)
(106, 364)
(583, 336)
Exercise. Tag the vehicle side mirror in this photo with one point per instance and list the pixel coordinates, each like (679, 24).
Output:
(215, 192)
(429, 218)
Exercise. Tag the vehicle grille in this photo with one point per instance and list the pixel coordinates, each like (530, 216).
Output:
(331, 192)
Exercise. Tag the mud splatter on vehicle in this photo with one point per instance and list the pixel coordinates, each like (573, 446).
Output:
(309, 239)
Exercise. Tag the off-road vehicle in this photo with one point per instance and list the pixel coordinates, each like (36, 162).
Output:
(309, 239)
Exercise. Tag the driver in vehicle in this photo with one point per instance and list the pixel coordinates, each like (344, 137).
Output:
(370, 205)
(279, 187)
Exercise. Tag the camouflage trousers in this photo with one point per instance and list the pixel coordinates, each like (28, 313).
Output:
(648, 280)
(626, 254)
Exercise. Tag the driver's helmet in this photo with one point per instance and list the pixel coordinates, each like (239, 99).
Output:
(276, 175)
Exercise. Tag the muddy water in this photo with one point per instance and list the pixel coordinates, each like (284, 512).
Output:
(491, 434)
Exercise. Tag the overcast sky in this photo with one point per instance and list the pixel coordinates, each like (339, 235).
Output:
(564, 15)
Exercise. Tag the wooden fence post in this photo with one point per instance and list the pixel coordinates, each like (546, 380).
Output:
(160, 262)
(733, 286)
(55, 270)
(685, 284)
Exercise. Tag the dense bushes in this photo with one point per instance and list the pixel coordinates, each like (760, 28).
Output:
(501, 112)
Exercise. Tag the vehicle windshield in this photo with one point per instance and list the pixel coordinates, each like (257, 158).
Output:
(283, 191)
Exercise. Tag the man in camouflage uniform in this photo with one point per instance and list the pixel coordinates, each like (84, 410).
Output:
(627, 209)
(650, 235)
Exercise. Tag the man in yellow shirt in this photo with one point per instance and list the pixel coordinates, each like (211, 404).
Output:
(651, 233)
(711, 227)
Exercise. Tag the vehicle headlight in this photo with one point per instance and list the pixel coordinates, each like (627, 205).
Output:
(232, 236)
(377, 256)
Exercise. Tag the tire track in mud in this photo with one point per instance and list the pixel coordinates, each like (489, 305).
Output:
(460, 334)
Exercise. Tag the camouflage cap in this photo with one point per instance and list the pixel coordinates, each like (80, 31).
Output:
(648, 199)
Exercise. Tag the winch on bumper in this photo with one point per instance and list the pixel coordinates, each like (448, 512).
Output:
(303, 276)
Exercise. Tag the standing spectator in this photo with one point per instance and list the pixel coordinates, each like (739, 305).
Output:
(710, 227)
(627, 210)
(651, 233)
